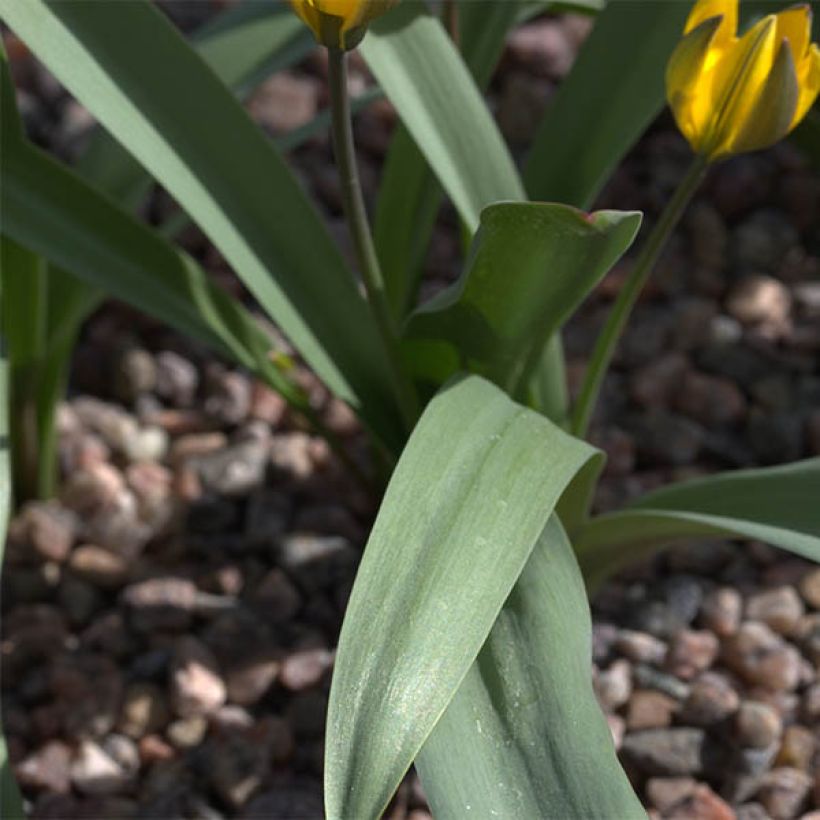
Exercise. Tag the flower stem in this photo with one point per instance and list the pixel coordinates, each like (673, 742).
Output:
(449, 16)
(608, 339)
(356, 216)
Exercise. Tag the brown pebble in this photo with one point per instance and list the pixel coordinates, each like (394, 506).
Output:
(721, 611)
(640, 647)
(649, 709)
(144, 710)
(711, 700)
(664, 793)
(47, 768)
(783, 792)
(797, 748)
(757, 726)
(691, 652)
(702, 804)
(196, 686)
(761, 657)
(613, 686)
(153, 748)
(302, 670)
(779, 609)
(100, 566)
(810, 588)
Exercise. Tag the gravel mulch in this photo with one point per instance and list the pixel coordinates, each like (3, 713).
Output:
(170, 619)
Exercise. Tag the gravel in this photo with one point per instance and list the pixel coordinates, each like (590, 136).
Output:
(170, 620)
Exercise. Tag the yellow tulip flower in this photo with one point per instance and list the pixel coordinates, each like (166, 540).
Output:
(733, 94)
(340, 23)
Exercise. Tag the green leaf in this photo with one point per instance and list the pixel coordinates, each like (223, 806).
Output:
(778, 505)
(422, 74)
(471, 494)
(530, 266)
(51, 211)
(137, 75)
(613, 92)
(524, 736)
(410, 195)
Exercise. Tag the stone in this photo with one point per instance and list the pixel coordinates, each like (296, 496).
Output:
(135, 374)
(650, 678)
(541, 48)
(779, 608)
(249, 683)
(640, 647)
(47, 527)
(186, 733)
(603, 639)
(619, 447)
(721, 611)
(761, 657)
(810, 703)
(797, 748)
(712, 700)
(236, 768)
(195, 684)
(666, 752)
(757, 726)
(234, 470)
(664, 793)
(617, 728)
(317, 562)
(228, 395)
(144, 710)
(99, 566)
(304, 669)
(95, 772)
(196, 444)
(78, 599)
(710, 400)
(648, 709)
(784, 791)
(759, 299)
(654, 385)
(275, 599)
(665, 438)
(613, 686)
(160, 604)
(286, 803)
(752, 811)
(153, 748)
(691, 652)
(47, 768)
(285, 101)
(290, 455)
(810, 588)
(306, 714)
(177, 379)
(701, 804)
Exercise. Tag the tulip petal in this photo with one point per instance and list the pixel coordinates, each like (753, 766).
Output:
(770, 115)
(739, 77)
(706, 9)
(795, 25)
(689, 81)
(808, 76)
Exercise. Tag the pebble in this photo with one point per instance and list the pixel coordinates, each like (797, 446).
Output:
(613, 686)
(701, 804)
(228, 395)
(762, 657)
(721, 611)
(99, 566)
(783, 792)
(797, 748)
(691, 652)
(186, 733)
(275, 599)
(676, 751)
(780, 609)
(710, 400)
(47, 527)
(648, 709)
(160, 604)
(136, 374)
(248, 684)
(233, 470)
(759, 299)
(177, 379)
(810, 588)
(301, 670)
(757, 726)
(49, 767)
(196, 687)
(650, 678)
(640, 647)
(144, 710)
(712, 699)
(95, 772)
(664, 793)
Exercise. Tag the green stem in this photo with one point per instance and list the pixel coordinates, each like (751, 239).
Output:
(621, 310)
(362, 239)
(449, 16)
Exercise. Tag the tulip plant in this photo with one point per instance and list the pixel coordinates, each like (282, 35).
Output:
(466, 644)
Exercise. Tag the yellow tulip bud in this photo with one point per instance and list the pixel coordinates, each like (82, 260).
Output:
(340, 23)
(733, 94)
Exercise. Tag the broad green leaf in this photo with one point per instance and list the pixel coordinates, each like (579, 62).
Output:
(410, 195)
(137, 75)
(778, 505)
(51, 211)
(471, 494)
(422, 74)
(530, 266)
(524, 737)
(613, 92)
